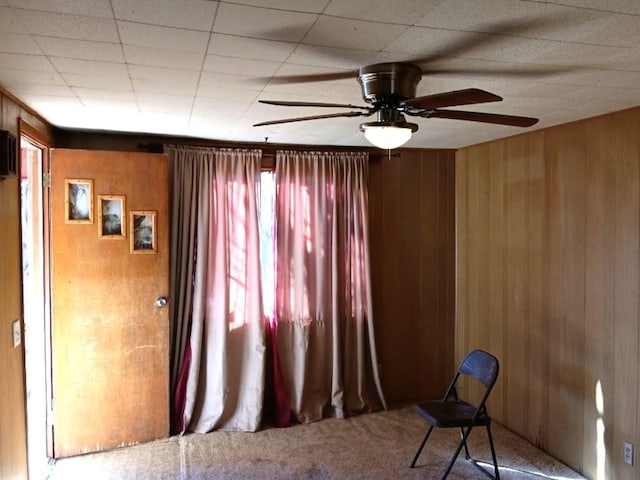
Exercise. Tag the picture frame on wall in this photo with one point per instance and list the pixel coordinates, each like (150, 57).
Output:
(143, 231)
(78, 200)
(111, 217)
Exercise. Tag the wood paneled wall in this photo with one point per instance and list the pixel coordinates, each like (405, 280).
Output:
(548, 277)
(411, 217)
(13, 453)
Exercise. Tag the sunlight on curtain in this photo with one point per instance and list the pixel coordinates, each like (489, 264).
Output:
(271, 296)
(323, 293)
(237, 236)
(216, 260)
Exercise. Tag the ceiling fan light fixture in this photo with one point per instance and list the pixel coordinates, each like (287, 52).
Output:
(388, 135)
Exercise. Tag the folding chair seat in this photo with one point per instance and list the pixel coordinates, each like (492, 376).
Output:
(453, 412)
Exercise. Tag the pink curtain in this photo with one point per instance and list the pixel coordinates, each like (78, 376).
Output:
(219, 347)
(324, 324)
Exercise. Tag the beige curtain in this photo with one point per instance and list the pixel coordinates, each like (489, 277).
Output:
(324, 330)
(219, 340)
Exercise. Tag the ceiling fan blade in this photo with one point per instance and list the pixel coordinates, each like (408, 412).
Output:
(285, 103)
(449, 99)
(481, 35)
(314, 77)
(511, 120)
(314, 117)
(500, 71)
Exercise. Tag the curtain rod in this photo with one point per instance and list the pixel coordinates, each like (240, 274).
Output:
(267, 151)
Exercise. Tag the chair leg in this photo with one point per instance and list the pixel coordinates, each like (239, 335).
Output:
(462, 443)
(467, 455)
(424, 440)
(493, 453)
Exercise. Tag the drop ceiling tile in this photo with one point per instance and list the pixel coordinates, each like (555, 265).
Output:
(617, 6)
(29, 63)
(613, 30)
(164, 80)
(163, 123)
(101, 118)
(346, 88)
(69, 26)
(192, 14)
(160, 57)
(352, 34)
(330, 92)
(80, 49)
(9, 21)
(89, 8)
(210, 82)
(311, 6)
(124, 103)
(576, 56)
(43, 90)
(117, 95)
(208, 127)
(57, 110)
(251, 48)
(511, 17)
(240, 66)
(230, 93)
(527, 106)
(599, 78)
(486, 71)
(228, 107)
(577, 94)
(180, 104)
(427, 43)
(90, 68)
(153, 36)
(254, 22)
(13, 79)
(97, 81)
(430, 44)
(51, 101)
(405, 12)
(627, 59)
(338, 58)
(18, 43)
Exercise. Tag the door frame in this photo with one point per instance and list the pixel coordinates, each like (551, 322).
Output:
(38, 411)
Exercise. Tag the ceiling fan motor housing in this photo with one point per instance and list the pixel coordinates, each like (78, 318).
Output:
(385, 84)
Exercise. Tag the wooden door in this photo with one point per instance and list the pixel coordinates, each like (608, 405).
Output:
(110, 341)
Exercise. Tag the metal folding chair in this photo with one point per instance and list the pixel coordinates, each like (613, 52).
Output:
(452, 412)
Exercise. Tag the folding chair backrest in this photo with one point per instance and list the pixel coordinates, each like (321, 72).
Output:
(482, 366)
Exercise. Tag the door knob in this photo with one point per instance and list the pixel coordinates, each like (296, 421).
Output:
(161, 302)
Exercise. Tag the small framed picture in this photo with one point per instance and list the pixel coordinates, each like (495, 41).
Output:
(111, 217)
(143, 231)
(78, 200)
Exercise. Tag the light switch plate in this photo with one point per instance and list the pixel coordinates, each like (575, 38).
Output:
(17, 334)
(628, 453)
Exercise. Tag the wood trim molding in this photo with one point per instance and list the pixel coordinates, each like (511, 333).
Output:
(39, 136)
(6, 93)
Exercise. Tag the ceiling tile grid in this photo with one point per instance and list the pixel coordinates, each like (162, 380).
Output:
(199, 67)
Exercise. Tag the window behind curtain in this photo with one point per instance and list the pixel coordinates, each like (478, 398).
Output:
(267, 220)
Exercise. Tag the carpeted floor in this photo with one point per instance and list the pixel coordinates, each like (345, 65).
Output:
(373, 446)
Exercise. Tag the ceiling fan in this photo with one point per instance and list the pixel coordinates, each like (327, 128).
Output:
(390, 89)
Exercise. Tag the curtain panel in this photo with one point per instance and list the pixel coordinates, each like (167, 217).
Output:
(317, 340)
(324, 324)
(218, 330)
